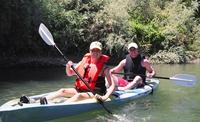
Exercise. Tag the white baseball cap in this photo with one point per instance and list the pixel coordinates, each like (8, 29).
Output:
(96, 44)
(132, 44)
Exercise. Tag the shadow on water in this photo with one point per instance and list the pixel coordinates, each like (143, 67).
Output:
(31, 81)
(28, 74)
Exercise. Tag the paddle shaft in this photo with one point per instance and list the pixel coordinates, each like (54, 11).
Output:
(48, 38)
(140, 75)
(73, 68)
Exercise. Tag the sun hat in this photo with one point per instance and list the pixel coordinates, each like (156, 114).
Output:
(132, 44)
(96, 44)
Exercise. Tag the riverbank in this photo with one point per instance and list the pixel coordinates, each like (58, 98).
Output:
(34, 62)
(38, 62)
(196, 61)
(176, 57)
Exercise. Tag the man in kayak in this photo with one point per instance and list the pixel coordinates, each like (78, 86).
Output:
(93, 70)
(135, 67)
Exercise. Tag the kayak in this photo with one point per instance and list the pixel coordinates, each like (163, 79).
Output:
(58, 108)
(11, 111)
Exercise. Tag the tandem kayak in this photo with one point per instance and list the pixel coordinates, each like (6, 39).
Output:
(59, 108)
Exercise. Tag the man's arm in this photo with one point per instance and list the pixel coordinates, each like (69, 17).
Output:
(150, 70)
(119, 67)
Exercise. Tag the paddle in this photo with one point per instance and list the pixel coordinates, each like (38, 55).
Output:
(180, 79)
(48, 38)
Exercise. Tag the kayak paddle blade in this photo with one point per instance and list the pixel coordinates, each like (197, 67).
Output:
(46, 35)
(184, 80)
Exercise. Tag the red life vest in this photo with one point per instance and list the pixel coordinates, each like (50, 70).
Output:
(89, 71)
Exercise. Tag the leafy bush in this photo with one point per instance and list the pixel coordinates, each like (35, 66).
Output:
(196, 38)
(173, 56)
(176, 22)
(162, 26)
(165, 57)
(70, 22)
(113, 20)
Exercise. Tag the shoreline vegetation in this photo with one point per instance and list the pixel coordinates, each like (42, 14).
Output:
(45, 62)
(166, 31)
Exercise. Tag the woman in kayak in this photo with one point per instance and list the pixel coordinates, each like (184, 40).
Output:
(93, 70)
(135, 67)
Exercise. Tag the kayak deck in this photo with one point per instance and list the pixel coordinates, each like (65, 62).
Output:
(12, 112)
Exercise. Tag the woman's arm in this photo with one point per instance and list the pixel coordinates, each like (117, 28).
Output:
(111, 88)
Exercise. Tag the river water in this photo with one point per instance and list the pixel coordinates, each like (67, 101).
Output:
(170, 103)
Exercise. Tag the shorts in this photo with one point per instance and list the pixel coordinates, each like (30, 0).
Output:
(122, 82)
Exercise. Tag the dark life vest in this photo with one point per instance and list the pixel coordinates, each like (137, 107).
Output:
(133, 65)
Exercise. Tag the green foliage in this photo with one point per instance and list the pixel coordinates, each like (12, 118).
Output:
(115, 31)
(156, 25)
(70, 20)
(172, 20)
(196, 38)
(141, 10)
(147, 34)
(17, 21)
(175, 23)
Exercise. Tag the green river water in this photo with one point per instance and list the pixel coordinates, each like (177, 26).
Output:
(170, 103)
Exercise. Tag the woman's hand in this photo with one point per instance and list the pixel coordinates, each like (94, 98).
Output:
(99, 97)
(69, 64)
(69, 70)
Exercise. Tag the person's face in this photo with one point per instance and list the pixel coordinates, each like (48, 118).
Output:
(95, 53)
(133, 52)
